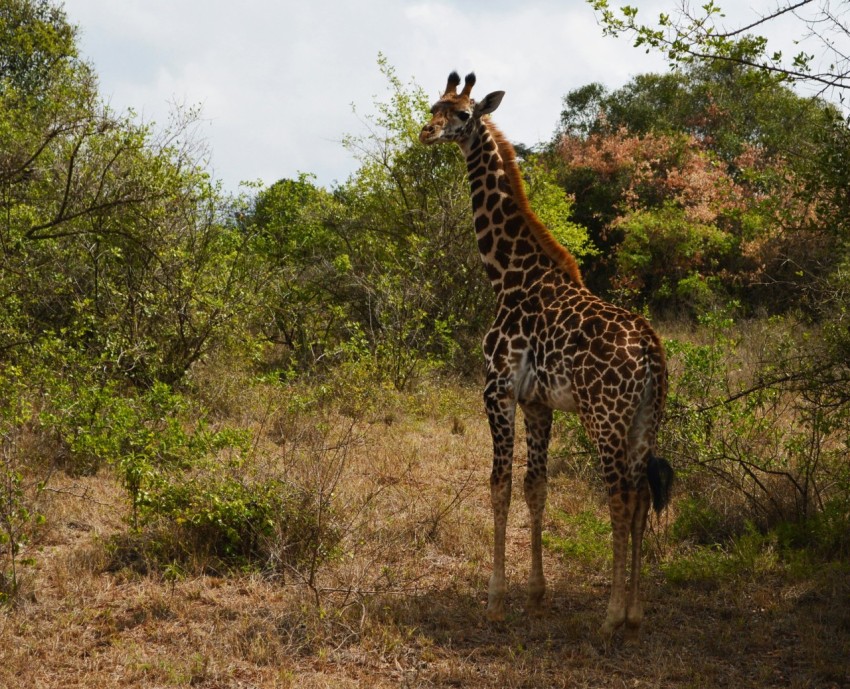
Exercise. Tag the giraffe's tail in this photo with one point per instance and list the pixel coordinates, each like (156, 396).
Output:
(660, 475)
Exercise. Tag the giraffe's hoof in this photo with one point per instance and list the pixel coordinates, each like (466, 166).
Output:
(611, 625)
(496, 607)
(603, 640)
(534, 602)
(633, 618)
(633, 627)
(632, 633)
(496, 613)
(496, 600)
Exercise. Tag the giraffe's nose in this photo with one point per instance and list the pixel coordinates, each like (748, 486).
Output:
(427, 133)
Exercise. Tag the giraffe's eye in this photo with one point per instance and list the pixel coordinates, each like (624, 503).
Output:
(463, 116)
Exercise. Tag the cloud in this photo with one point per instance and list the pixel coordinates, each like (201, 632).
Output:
(276, 81)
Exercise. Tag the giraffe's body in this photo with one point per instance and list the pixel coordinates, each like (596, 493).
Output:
(554, 345)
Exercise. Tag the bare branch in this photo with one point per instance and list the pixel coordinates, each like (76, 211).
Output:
(688, 37)
(763, 20)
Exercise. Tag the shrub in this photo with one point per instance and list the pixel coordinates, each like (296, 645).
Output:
(699, 522)
(219, 520)
(751, 553)
(825, 534)
(207, 498)
(755, 435)
(671, 255)
(573, 452)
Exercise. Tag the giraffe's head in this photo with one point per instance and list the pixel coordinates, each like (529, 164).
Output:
(456, 115)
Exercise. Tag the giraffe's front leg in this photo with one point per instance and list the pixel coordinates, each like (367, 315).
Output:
(538, 424)
(500, 498)
(500, 413)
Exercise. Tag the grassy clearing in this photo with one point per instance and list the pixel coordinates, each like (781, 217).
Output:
(400, 602)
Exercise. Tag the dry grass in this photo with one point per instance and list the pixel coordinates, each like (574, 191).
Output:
(403, 606)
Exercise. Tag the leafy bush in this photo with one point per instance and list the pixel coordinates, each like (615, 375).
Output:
(572, 451)
(698, 522)
(197, 492)
(825, 534)
(672, 256)
(750, 553)
(700, 163)
(216, 518)
(753, 441)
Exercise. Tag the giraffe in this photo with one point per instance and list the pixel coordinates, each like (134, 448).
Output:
(555, 345)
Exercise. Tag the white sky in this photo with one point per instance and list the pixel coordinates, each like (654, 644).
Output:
(276, 80)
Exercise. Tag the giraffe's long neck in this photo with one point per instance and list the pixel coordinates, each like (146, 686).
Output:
(515, 247)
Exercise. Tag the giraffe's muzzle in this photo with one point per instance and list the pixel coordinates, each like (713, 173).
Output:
(429, 134)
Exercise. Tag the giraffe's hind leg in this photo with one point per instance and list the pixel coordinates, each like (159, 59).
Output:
(538, 424)
(612, 447)
(622, 505)
(641, 445)
(634, 610)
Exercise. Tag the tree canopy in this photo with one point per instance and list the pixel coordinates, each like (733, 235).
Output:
(704, 161)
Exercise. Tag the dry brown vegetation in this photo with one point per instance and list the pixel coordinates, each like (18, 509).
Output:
(401, 604)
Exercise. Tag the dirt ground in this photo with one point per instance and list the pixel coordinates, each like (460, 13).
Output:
(405, 607)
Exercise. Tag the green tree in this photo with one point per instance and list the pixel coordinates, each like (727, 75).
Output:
(417, 294)
(713, 139)
(385, 268)
(305, 296)
(36, 41)
(121, 265)
(727, 107)
(112, 235)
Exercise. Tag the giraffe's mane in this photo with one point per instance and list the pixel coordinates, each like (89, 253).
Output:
(559, 254)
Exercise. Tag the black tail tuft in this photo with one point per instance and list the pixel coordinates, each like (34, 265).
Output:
(660, 475)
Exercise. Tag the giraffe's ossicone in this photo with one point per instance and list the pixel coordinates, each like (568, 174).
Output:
(554, 345)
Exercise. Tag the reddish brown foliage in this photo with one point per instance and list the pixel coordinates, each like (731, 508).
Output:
(753, 205)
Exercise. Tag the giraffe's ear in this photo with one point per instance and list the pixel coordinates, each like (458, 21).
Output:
(489, 103)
